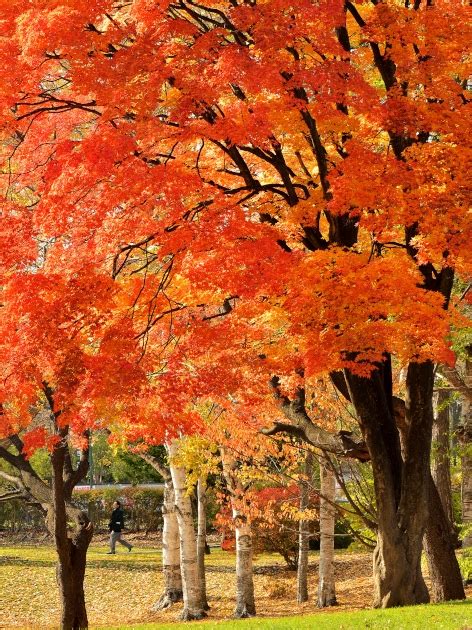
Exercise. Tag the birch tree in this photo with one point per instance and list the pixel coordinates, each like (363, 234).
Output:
(192, 588)
(245, 602)
(326, 583)
(170, 539)
(304, 532)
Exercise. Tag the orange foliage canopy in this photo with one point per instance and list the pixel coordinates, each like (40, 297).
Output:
(243, 188)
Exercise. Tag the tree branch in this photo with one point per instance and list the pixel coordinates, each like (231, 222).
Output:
(454, 378)
(13, 494)
(303, 426)
(157, 465)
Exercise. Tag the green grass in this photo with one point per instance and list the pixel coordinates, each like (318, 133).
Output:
(451, 616)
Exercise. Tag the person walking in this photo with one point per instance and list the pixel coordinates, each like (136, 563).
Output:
(116, 525)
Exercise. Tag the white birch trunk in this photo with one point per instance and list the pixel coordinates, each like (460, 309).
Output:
(192, 591)
(304, 534)
(170, 550)
(245, 603)
(326, 585)
(201, 537)
(170, 539)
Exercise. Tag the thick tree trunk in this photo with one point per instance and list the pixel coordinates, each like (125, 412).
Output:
(201, 538)
(170, 550)
(440, 537)
(401, 474)
(245, 603)
(71, 552)
(440, 542)
(401, 488)
(192, 591)
(304, 533)
(326, 584)
(441, 461)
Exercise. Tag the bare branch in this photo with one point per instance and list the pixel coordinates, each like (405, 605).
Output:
(341, 444)
(14, 494)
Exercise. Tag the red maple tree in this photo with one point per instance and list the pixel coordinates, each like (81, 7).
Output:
(279, 188)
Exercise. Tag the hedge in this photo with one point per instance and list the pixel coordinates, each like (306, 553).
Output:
(142, 507)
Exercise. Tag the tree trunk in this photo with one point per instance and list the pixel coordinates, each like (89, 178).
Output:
(465, 437)
(401, 488)
(326, 584)
(441, 462)
(71, 552)
(192, 592)
(440, 542)
(170, 550)
(466, 463)
(304, 533)
(440, 538)
(401, 474)
(201, 538)
(245, 603)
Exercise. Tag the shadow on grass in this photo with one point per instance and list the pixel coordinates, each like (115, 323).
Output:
(15, 561)
(110, 564)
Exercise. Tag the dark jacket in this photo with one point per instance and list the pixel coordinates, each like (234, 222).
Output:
(117, 522)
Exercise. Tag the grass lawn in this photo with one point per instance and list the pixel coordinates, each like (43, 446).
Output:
(120, 591)
(452, 616)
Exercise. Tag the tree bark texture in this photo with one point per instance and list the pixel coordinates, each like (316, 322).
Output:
(440, 542)
(170, 539)
(192, 591)
(245, 602)
(401, 487)
(440, 538)
(201, 537)
(326, 582)
(465, 437)
(304, 533)
(170, 550)
(441, 461)
(71, 552)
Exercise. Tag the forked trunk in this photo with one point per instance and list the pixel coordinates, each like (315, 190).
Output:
(201, 537)
(245, 603)
(72, 560)
(440, 537)
(326, 584)
(304, 534)
(71, 552)
(170, 550)
(192, 591)
(401, 484)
